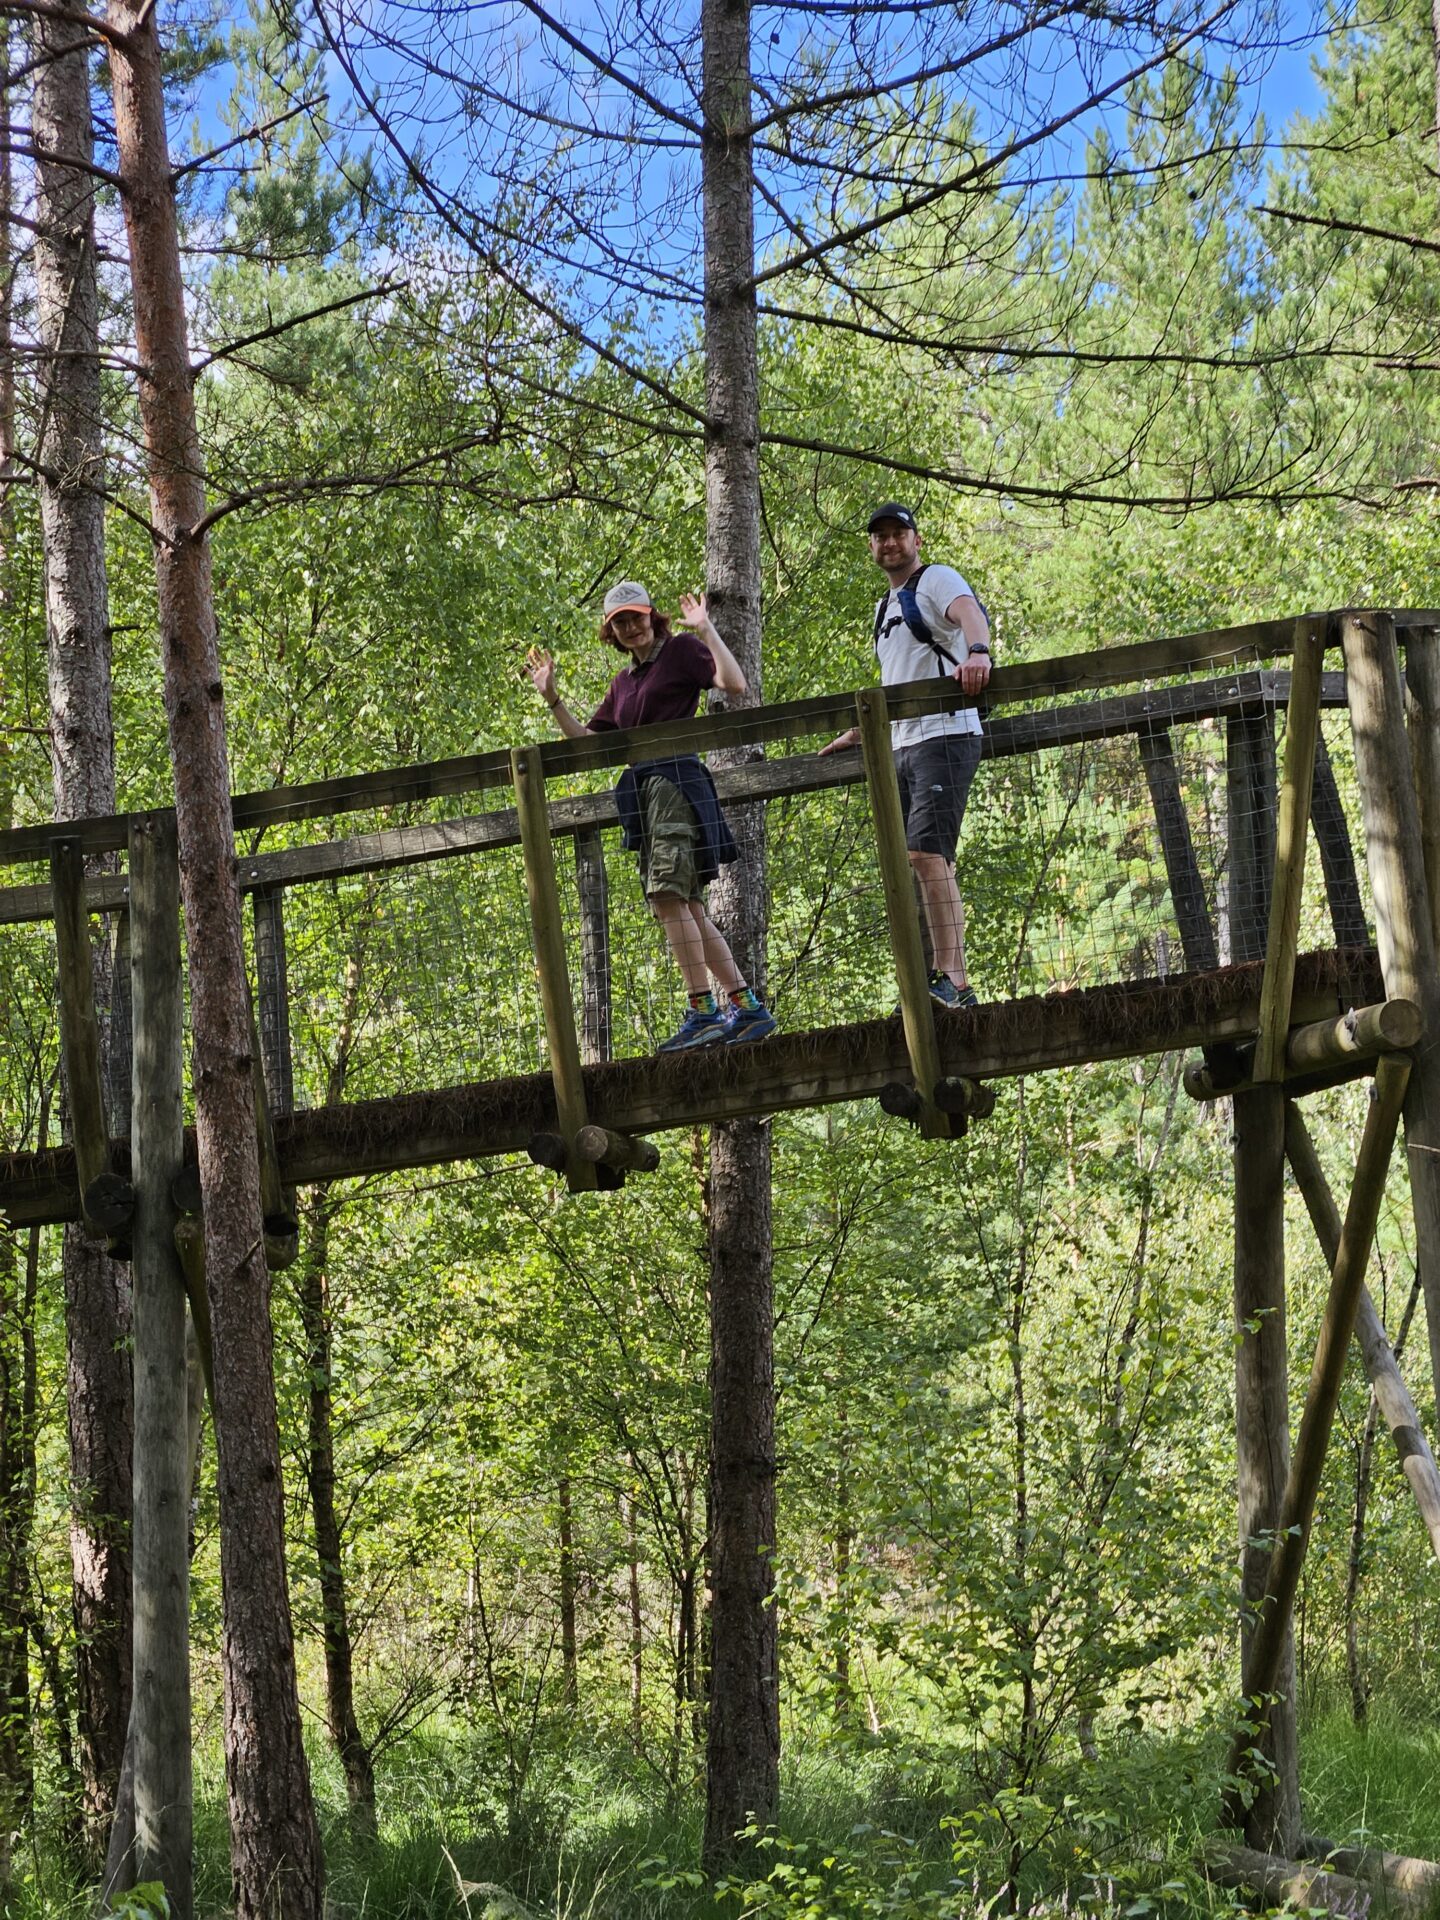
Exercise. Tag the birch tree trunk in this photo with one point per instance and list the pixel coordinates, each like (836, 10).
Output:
(743, 1756)
(275, 1847)
(82, 747)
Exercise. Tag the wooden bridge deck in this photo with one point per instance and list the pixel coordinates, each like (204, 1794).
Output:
(663, 1092)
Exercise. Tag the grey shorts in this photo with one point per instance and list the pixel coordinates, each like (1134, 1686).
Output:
(671, 840)
(935, 778)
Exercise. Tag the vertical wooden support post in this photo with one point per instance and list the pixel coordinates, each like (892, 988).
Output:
(161, 1559)
(272, 992)
(1392, 1396)
(547, 935)
(1264, 1656)
(1395, 856)
(1422, 721)
(79, 1034)
(1250, 830)
(1262, 1434)
(1187, 889)
(594, 889)
(121, 1051)
(1337, 856)
(1291, 839)
(917, 1009)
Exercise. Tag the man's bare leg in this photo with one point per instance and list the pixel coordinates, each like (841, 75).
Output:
(687, 943)
(700, 949)
(944, 913)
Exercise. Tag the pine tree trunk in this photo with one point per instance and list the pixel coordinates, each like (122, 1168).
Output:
(70, 454)
(569, 1647)
(275, 1846)
(743, 1758)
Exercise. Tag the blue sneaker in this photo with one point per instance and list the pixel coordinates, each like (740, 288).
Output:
(749, 1023)
(696, 1030)
(944, 990)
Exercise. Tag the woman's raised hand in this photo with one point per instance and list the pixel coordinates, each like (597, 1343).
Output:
(693, 610)
(541, 668)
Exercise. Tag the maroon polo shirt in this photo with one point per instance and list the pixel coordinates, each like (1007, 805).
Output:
(667, 686)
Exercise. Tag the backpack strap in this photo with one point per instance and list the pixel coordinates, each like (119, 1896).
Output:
(910, 613)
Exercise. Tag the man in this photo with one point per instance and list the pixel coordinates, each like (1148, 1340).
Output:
(936, 755)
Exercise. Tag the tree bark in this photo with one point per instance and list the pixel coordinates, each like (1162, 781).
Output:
(743, 1758)
(569, 1647)
(275, 1846)
(70, 454)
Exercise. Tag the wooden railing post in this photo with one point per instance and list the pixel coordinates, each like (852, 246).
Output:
(917, 1009)
(1250, 831)
(1302, 729)
(547, 935)
(272, 993)
(160, 1544)
(1394, 853)
(594, 890)
(1422, 722)
(1187, 889)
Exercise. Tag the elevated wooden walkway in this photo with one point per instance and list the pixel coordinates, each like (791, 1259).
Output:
(1214, 825)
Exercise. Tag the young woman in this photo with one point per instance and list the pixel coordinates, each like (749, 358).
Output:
(669, 812)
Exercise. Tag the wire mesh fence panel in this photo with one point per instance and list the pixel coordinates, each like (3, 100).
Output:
(415, 976)
(29, 1038)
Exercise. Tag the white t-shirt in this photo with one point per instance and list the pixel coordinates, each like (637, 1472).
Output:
(903, 657)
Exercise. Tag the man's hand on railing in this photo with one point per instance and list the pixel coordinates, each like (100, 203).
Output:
(850, 738)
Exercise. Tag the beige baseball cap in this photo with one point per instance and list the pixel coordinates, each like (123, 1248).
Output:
(627, 596)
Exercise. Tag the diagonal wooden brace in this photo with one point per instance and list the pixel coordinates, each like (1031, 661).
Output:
(1297, 1505)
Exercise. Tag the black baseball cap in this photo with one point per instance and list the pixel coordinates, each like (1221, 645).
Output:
(892, 510)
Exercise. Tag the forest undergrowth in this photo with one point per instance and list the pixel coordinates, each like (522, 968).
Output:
(881, 1833)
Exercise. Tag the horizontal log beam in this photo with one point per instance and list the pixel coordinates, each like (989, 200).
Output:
(603, 1148)
(657, 1093)
(1323, 1053)
(1006, 736)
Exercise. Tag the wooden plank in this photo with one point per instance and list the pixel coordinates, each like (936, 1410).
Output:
(1262, 1668)
(917, 1009)
(1187, 889)
(1394, 854)
(1392, 1396)
(1005, 737)
(79, 1032)
(658, 1093)
(1292, 836)
(593, 886)
(547, 934)
(160, 1534)
(1337, 856)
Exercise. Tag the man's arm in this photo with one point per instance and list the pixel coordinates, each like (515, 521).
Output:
(973, 671)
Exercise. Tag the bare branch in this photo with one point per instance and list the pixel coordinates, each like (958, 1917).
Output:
(298, 320)
(1330, 224)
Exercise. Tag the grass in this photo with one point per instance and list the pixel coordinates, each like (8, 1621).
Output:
(864, 1834)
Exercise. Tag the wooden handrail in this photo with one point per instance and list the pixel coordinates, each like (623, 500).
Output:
(1066, 674)
(1006, 736)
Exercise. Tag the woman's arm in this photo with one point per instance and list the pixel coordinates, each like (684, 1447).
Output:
(728, 676)
(541, 668)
